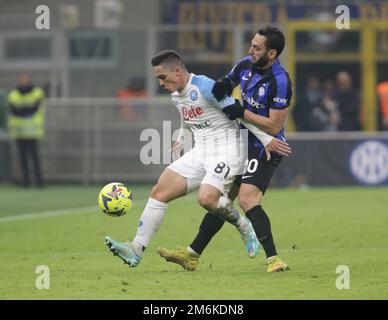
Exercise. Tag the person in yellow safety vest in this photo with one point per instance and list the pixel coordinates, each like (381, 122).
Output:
(382, 92)
(26, 125)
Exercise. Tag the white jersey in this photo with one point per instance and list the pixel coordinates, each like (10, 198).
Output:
(202, 114)
(219, 151)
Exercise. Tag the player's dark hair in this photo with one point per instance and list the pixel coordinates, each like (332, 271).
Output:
(274, 38)
(167, 57)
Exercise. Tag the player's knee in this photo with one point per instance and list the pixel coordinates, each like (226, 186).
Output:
(208, 201)
(158, 193)
(247, 202)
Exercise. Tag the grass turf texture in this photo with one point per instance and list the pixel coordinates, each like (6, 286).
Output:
(315, 231)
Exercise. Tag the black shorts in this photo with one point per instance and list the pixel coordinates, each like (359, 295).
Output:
(259, 172)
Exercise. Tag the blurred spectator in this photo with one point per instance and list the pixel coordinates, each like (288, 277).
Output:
(3, 109)
(329, 107)
(316, 109)
(134, 89)
(307, 100)
(26, 125)
(382, 92)
(348, 102)
(328, 88)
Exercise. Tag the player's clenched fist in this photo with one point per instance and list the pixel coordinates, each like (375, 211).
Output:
(222, 88)
(234, 111)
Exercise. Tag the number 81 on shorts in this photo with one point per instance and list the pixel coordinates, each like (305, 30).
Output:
(221, 168)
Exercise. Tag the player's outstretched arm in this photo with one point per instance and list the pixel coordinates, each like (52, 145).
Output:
(183, 135)
(177, 149)
(271, 144)
(272, 124)
(234, 111)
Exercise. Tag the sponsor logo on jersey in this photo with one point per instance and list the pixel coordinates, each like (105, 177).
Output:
(261, 91)
(280, 100)
(191, 113)
(252, 102)
(246, 77)
(193, 95)
(202, 125)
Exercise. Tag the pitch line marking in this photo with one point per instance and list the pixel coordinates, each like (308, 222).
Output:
(47, 214)
(61, 212)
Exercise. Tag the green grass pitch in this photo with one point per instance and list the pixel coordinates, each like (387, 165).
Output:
(315, 230)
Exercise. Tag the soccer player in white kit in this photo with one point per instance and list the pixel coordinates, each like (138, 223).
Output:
(212, 164)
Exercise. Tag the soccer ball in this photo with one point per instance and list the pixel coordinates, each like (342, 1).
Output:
(115, 199)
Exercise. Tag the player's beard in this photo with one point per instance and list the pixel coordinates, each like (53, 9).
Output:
(263, 61)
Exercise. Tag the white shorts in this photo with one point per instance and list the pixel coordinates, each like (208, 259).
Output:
(216, 167)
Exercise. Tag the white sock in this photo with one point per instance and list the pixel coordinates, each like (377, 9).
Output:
(190, 250)
(242, 224)
(149, 223)
(231, 215)
(271, 258)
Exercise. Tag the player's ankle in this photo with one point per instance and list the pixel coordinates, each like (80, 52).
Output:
(269, 259)
(192, 252)
(138, 248)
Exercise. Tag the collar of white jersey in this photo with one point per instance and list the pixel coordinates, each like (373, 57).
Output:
(186, 89)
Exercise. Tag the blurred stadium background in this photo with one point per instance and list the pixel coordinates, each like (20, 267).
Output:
(96, 53)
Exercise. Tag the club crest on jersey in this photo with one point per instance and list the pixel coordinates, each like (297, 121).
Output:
(261, 91)
(193, 95)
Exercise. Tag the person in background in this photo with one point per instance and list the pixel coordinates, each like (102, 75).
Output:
(330, 105)
(3, 109)
(26, 123)
(306, 102)
(382, 92)
(324, 115)
(348, 103)
(134, 89)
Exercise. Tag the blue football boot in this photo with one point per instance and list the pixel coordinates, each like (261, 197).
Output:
(124, 251)
(252, 244)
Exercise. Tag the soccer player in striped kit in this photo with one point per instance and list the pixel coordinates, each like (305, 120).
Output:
(266, 93)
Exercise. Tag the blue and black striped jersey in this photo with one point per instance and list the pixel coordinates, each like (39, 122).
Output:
(262, 91)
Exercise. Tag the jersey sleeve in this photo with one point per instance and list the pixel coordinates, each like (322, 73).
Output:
(234, 74)
(281, 92)
(258, 133)
(205, 86)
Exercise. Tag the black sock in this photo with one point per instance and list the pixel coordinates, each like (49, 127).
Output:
(210, 225)
(262, 226)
